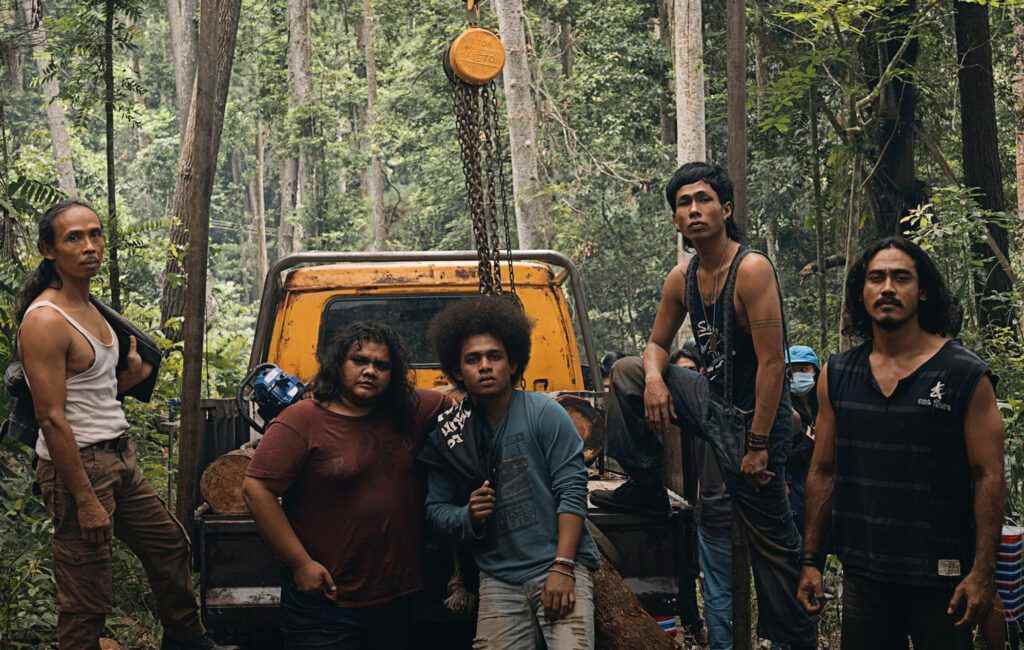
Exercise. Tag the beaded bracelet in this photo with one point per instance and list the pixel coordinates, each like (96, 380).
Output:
(756, 442)
(566, 561)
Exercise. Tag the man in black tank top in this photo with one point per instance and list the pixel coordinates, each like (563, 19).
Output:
(907, 465)
(735, 306)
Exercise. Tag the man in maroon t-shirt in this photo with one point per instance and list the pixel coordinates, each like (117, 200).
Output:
(350, 526)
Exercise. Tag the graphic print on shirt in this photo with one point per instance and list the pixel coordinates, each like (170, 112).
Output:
(514, 508)
(935, 396)
(709, 342)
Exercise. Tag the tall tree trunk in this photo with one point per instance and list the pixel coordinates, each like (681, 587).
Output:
(737, 107)
(819, 230)
(567, 47)
(527, 188)
(689, 71)
(293, 180)
(1018, 91)
(113, 241)
(375, 172)
(10, 52)
(196, 169)
(181, 16)
(893, 186)
(980, 147)
(217, 67)
(54, 106)
(262, 264)
(246, 240)
(688, 60)
(666, 110)
(760, 66)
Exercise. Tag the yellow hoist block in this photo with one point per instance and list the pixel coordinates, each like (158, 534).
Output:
(476, 56)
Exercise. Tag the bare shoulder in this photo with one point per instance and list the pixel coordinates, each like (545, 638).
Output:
(755, 274)
(677, 276)
(44, 326)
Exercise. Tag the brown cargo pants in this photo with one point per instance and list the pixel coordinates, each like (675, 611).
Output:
(85, 590)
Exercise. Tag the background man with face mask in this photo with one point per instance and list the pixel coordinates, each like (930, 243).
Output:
(804, 368)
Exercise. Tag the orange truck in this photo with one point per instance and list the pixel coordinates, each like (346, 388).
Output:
(308, 297)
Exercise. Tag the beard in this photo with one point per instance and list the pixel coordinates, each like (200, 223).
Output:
(891, 323)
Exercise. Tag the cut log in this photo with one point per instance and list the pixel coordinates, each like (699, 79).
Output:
(589, 424)
(221, 484)
(620, 622)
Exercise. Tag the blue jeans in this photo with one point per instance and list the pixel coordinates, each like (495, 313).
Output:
(716, 567)
(512, 618)
(311, 621)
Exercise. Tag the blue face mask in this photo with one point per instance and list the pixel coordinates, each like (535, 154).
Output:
(801, 383)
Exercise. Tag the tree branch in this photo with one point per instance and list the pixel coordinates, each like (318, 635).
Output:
(947, 170)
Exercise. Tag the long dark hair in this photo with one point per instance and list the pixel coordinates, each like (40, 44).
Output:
(398, 398)
(45, 274)
(939, 314)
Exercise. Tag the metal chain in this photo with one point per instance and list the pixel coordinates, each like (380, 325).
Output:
(489, 135)
(503, 186)
(467, 116)
(484, 168)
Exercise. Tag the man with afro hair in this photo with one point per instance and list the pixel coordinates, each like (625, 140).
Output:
(523, 508)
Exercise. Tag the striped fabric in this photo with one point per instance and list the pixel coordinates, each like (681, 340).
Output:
(902, 504)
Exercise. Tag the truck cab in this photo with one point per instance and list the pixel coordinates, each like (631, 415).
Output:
(310, 296)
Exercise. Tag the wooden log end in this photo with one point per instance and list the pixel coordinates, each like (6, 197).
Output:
(221, 485)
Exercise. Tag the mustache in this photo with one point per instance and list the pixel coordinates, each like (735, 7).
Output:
(888, 301)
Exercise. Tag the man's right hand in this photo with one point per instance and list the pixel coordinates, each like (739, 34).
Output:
(93, 520)
(658, 406)
(810, 590)
(481, 503)
(313, 576)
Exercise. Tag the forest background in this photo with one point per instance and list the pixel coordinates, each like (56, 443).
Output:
(841, 121)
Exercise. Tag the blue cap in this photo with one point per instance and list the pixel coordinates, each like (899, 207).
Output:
(802, 354)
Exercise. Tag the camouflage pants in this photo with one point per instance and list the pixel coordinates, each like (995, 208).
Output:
(83, 572)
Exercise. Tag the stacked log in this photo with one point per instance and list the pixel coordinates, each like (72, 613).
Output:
(221, 484)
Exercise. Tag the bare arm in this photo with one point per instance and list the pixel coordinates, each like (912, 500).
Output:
(759, 293)
(559, 594)
(818, 495)
(44, 342)
(275, 529)
(984, 436)
(671, 312)
(818, 498)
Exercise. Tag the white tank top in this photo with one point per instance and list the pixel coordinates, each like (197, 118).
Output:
(91, 407)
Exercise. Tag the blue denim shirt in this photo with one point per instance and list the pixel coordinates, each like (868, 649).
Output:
(539, 476)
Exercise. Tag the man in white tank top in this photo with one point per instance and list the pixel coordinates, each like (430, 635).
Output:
(87, 469)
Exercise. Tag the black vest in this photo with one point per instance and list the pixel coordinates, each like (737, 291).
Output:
(709, 332)
(903, 494)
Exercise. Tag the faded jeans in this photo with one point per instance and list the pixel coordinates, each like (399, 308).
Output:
(716, 567)
(83, 571)
(764, 513)
(511, 617)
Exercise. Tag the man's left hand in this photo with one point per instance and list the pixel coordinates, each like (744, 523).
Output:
(977, 592)
(754, 468)
(558, 596)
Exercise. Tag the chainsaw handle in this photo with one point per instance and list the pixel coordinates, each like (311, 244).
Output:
(243, 408)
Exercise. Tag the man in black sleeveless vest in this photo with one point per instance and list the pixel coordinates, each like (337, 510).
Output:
(733, 300)
(907, 465)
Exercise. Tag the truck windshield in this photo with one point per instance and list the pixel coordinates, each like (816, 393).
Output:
(409, 316)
